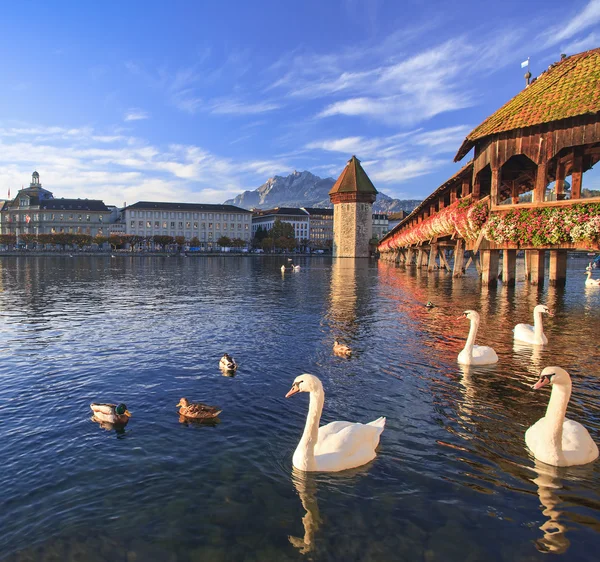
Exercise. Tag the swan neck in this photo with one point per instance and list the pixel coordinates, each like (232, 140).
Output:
(472, 334)
(555, 414)
(538, 325)
(305, 452)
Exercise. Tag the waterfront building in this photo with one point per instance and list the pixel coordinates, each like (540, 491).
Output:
(298, 218)
(320, 228)
(206, 222)
(352, 195)
(380, 225)
(34, 210)
(395, 218)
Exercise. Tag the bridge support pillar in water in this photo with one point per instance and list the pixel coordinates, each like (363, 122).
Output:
(409, 256)
(509, 267)
(489, 267)
(558, 268)
(421, 257)
(459, 259)
(537, 262)
(433, 250)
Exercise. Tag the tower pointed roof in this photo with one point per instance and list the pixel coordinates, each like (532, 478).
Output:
(353, 179)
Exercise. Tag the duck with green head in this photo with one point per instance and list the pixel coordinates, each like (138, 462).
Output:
(116, 414)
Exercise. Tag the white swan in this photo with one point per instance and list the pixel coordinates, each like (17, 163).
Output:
(554, 439)
(589, 282)
(475, 354)
(533, 334)
(295, 267)
(339, 445)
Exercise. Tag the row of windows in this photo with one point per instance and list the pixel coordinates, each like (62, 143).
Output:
(64, 229)
(190, 235)
(53, 216)
(172, 225)
(180, 215)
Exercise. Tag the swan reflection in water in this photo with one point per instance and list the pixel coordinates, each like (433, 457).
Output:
(531, 355)
(554, 532)
(306, 486)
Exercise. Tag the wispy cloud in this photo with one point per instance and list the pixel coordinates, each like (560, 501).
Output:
(81, 162)
(237, 107)
(135, 115)
(583, 20)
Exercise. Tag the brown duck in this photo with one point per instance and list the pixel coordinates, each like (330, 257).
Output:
(197, 410)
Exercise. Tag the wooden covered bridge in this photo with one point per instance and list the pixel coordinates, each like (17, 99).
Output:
(523, 189)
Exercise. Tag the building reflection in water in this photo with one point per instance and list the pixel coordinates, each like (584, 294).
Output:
(306, 486)
(349, 281)
(554, 532)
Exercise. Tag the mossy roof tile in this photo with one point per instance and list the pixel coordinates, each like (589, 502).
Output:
(569, 88)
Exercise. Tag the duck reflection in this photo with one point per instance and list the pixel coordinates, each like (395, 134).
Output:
(554, 532)
(306, 486)
(119, 429)
(211, 422)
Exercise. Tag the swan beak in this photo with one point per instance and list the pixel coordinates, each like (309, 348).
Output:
(542, 382)
(292, 391)
(550, 313)
(128, 413)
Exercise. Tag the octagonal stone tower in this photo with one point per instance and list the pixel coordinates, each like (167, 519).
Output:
(352, 196)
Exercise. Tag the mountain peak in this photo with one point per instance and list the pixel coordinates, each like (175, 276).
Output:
(305, 189)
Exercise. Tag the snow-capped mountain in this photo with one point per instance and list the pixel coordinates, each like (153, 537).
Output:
(303, 189)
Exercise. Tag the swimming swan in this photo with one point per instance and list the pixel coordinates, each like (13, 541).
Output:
(533, 334)
(475, 354)
(339, 445)
(589, 282)
(554, 439)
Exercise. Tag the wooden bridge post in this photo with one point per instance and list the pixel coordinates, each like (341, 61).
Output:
(433, 249)
(537, 262)
(558, 268)
(459, 259)
(509, 267)
(495, 187)
(489, 267)
(409, 256)
(576, 173)
(541, 181)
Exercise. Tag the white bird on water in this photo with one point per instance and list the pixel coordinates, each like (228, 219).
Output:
(554, 439)
(475, 354)
(339, 445)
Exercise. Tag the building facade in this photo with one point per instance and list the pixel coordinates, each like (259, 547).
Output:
(352, 196)
(320, 228)
(380, 225)
(205, 222)
(35, 211)
(298, 218)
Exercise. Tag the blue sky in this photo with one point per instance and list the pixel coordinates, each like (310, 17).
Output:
(198, 101)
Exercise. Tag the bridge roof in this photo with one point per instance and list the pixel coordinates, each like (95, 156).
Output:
(569, 88)
(465, 172)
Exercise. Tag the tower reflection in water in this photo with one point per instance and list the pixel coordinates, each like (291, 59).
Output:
(349, 282)
(306, 486)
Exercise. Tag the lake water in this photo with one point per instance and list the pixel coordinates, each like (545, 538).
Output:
(452, 480)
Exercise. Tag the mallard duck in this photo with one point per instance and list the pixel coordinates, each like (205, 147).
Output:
(227, 363)
(196, 410)
(341, 349)
(111, 413)
(429, 305)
